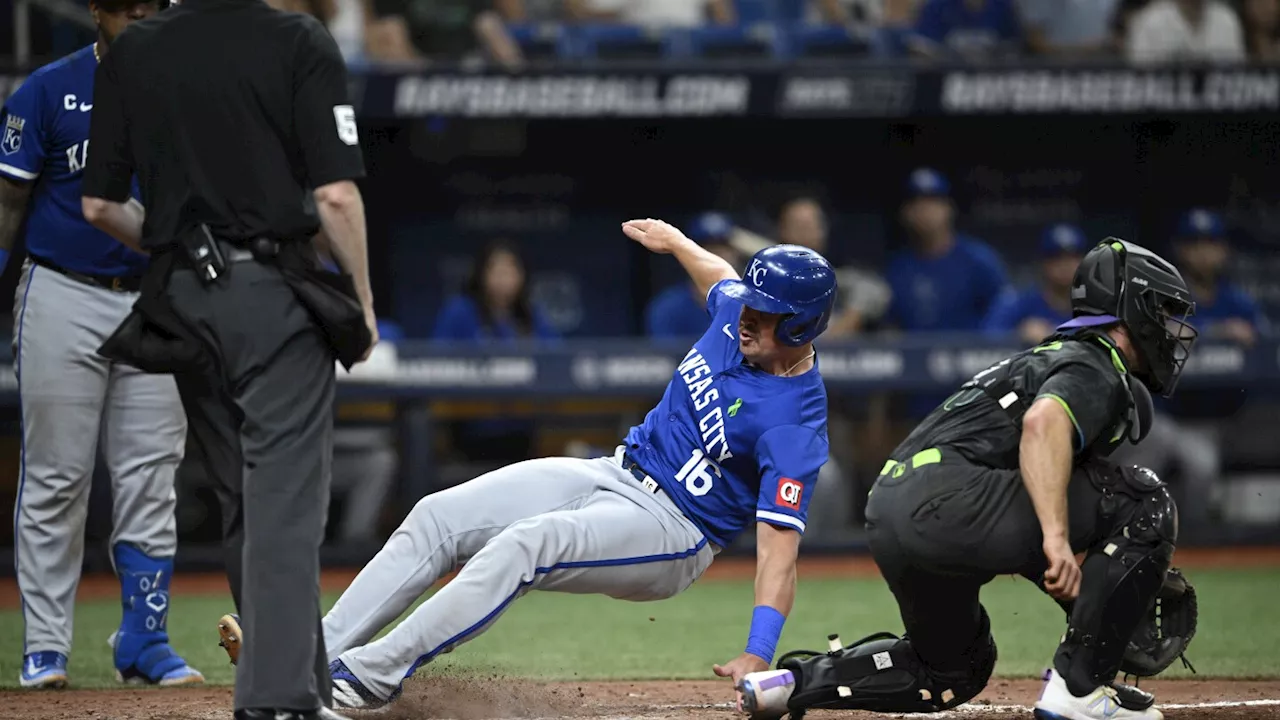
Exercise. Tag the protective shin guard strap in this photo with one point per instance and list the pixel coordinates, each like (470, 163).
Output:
(144, 599)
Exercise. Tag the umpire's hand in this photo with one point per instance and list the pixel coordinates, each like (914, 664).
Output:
(1062, 579)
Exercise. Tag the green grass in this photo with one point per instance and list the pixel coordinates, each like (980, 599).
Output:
(551, 636)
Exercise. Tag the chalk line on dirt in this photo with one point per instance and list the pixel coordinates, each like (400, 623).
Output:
(978, 708)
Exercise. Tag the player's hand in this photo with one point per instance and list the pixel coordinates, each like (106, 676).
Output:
(656, 235)
(1062, 579)
(738, 668)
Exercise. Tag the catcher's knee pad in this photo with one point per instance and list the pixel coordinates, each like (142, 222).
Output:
(882, 673)
(1122, 577)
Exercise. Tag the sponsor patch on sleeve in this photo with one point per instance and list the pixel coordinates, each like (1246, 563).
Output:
(789, 492)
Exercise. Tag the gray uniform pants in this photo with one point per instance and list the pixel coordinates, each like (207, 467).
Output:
(74, 400)
(265, 426)
(559, 524)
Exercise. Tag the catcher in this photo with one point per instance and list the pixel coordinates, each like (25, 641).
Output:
(1009, 476)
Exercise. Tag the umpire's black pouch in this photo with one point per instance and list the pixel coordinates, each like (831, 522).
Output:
(330, 298)
(153, 337)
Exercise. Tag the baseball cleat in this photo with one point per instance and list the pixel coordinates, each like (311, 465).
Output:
(1057, 703)
(350, 693)
(230, 634)
(44, 670)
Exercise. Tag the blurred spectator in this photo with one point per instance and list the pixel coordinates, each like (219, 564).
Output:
(652, 13)
(524, 11)
(344, 18)
(1223, 310)
(1036, 311)
(1169, 31)
(680, 311)
(863, 13)
(1261, 20)
(414, 31)
(1071, 29)
(494, 308)
(970, 29)
(945, 280)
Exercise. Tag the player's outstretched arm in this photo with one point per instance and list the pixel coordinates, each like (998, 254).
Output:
(704, 268)
(776, 551)
(1046, 456)
(13, 206)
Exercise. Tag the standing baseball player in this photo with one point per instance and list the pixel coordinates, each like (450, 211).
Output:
(77, 285)
(739, 435)
(1008, 476)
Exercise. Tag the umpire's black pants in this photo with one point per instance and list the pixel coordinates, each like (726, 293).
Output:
(264, 424)
(940, 530)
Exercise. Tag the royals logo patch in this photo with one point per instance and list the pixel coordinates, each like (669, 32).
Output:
(12, 134)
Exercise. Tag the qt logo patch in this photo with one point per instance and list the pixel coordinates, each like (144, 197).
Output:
(789, 493)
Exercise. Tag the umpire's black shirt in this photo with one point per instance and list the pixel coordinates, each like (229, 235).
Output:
(1085, 374)
(230, 113)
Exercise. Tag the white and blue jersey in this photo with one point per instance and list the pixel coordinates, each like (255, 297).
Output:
(731, 443)
(46, 142)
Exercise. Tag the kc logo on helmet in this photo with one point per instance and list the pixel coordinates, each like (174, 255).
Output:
(757, 272)
(789, 493)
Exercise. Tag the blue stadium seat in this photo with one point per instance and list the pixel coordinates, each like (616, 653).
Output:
(621, 42)
(721, 42)
(541, 41)
(751, 12)
(826, 41)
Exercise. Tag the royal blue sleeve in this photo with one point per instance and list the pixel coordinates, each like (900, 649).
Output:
(1005, 314)
(930, 23)
(990, 274)
(1240, 305)
(900, 293)
(455, 321)
(657, 318)
(22, 147)
(716, 299)
(790, 457)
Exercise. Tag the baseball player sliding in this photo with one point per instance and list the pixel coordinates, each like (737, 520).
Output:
(739, 435)
(77, 286)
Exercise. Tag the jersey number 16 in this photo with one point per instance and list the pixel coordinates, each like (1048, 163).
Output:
(698, 474)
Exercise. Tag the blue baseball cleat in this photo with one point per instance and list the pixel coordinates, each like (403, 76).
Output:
(157, 664)
(44, 670)
(350, 693)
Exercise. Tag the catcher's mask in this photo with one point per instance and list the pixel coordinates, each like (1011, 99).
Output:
(1119, 281)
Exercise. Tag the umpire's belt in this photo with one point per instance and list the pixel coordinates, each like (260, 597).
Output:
(893, 468)
(128, 283)
(646, 481)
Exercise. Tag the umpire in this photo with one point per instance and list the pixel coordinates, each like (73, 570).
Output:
(235, 120)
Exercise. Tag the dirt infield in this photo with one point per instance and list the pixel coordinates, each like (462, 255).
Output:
(493, 698)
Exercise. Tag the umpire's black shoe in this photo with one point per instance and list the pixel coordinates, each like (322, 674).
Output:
(269, 714)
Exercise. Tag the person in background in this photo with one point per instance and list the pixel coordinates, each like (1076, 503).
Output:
(679, 311)
(1071, 29)
(1261, 21)
(1034, 312)
(652, 13)
(968, 29)
(494, 308)
(945, 280)
(1185, 439)
(524, 11)
(1191, 31)
(418, 31)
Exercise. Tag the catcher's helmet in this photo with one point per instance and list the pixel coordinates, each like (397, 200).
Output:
(1124, 282)
(791, 281)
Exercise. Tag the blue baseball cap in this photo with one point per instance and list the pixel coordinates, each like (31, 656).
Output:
(1063, 239)
(927, 182)
(1199, 223)
(710, 227)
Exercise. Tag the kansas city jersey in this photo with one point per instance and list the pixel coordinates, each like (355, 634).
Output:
(730, 443)
(46, 142)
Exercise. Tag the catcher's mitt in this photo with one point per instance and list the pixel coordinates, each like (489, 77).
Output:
(1166, 631)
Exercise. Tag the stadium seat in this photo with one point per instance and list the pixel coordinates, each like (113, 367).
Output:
(621, 42)
(541, 41)
(827, 41)
(721, 42)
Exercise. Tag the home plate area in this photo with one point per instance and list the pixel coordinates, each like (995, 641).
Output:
(498, 698)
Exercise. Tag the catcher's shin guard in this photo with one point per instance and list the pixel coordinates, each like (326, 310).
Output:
(882, 673)
(1119, 583)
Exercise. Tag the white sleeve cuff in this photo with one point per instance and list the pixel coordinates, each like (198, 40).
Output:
(780, 519)
(18, 173)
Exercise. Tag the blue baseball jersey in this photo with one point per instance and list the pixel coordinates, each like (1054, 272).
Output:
(46, 142)
(730, 443)
(676, 313)
(954, 291)
(1011, 308)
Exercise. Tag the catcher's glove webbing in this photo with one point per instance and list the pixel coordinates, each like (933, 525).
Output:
(1166, 631)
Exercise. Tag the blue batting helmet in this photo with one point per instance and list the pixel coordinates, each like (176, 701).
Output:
(791, 281)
